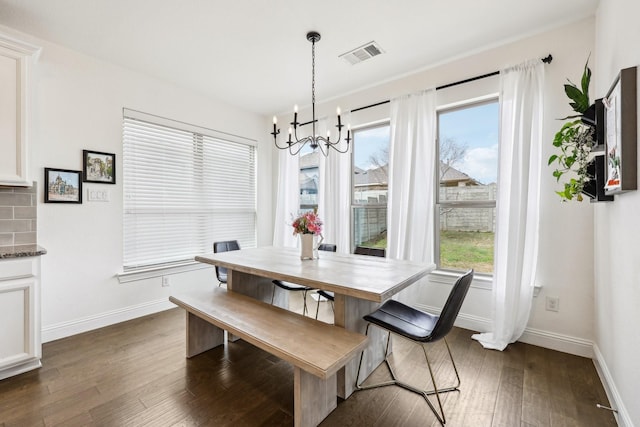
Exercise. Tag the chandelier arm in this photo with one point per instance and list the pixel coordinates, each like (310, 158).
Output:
(339, 136)
(295, 152)
(341, 151)
(281, 148)
(322, 147)
(295, 136)
(326, 142)
(299, 144)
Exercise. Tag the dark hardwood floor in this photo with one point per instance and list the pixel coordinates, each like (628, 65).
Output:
(135, 374)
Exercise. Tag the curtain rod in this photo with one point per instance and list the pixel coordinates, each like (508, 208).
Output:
(546, 60)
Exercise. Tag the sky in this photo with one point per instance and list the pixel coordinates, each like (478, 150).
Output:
(475, 127)
(69, 177)
(368, 142)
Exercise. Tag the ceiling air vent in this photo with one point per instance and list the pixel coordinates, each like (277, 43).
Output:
(362, 53)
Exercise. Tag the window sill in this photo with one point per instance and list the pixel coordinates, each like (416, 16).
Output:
(449, 278)
(480, 281)
(148, 273)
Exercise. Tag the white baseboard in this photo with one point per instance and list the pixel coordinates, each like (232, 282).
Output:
(66, 329)
(559, 342)
(622, 417)
(551, 340)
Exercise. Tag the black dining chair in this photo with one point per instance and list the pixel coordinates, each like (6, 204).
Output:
(294, 287)
(225, 246)
(421, 328)
(360, 250)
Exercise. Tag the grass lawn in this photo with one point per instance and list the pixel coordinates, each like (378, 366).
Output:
(462, 250)
(459, 250)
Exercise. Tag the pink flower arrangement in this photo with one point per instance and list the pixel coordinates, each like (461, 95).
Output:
(307, 223)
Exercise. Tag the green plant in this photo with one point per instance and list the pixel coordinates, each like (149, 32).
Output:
(575, 141)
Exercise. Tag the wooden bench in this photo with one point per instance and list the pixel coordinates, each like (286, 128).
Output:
(315, 349)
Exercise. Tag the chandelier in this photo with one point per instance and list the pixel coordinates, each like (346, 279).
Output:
(314, 140)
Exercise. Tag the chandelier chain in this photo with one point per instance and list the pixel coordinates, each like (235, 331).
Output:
(313, 72)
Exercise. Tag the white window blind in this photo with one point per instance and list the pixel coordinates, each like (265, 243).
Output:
(184, 188)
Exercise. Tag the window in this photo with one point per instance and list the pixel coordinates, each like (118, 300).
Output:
(370, 186)
(468, 169)
(184, 188)
(309, 179)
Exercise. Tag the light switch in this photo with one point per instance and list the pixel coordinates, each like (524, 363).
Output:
(97, 195)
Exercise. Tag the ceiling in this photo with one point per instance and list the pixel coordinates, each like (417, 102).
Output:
(254, 54)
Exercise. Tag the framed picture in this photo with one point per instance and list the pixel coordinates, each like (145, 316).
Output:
(621, 134)
(62, 186)
(99, 167)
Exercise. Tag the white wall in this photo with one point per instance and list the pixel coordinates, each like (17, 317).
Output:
(566, 238)
(617, 231)
(77, 104)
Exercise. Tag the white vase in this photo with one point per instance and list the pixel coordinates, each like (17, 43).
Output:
(309, 246)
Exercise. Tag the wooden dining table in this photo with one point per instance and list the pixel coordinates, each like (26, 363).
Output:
(360, 284)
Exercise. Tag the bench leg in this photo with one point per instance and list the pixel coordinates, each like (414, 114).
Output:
(313, 398)
(260, 288)
(202, 335)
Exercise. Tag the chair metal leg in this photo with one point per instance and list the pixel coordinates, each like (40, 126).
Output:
(304, 300)
(424, 393)
(304, 303)
(318, 306)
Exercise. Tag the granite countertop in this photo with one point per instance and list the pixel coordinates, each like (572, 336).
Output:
(19, 251)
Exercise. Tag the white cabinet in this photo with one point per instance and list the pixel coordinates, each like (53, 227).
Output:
(20, 342)
(16, 58)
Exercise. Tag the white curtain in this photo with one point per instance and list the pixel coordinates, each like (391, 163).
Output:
(411, 177)
(288, 199)
(516, 252)
(411, 200)
(334, 197)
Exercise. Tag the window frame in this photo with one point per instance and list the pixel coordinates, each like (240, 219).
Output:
(457, 106)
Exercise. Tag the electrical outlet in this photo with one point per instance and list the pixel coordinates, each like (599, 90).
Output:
(553, 303)
(165, 281)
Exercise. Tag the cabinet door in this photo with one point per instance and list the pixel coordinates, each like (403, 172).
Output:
(15, 61)
(18, 340)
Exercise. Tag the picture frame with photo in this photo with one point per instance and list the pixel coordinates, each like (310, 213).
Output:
(98, 167)
(621, 133)
(62, 186)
